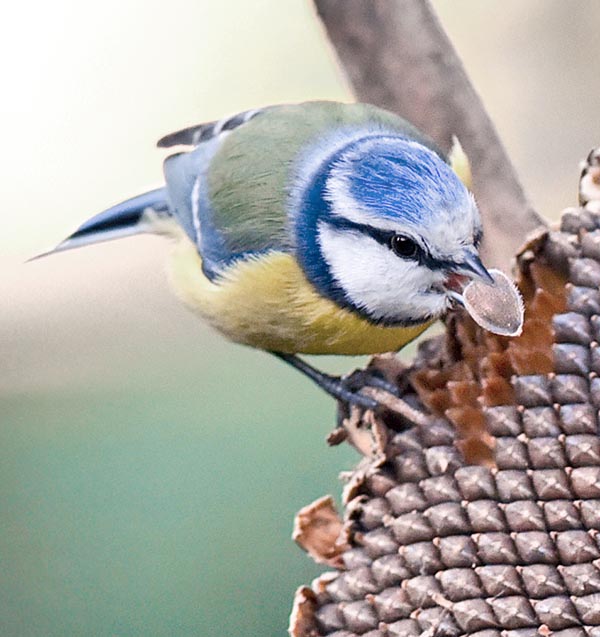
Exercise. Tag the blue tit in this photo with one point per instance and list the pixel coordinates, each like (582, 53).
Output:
(317, 228)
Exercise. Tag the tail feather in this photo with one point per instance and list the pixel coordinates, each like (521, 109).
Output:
(125, 219)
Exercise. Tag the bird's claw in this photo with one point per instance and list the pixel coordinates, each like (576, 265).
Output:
(347, 390)
(369, 377)
(351, 386)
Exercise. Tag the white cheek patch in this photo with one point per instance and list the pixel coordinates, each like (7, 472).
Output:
(374, 279)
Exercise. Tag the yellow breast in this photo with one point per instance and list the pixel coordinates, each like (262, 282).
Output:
(266, 302)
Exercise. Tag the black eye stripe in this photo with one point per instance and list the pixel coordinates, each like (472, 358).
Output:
(381, 236)
(384, 237)
(422, 255)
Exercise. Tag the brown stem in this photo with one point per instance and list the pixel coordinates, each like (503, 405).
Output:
(397, 56)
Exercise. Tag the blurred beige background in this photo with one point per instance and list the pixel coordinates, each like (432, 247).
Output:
(124, 419)
(89, 87)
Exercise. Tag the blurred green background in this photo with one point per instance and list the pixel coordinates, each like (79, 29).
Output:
(150, 471)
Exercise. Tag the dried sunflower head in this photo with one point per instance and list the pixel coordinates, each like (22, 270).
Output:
(482, 517)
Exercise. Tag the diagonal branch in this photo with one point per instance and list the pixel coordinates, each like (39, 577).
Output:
(397, 56)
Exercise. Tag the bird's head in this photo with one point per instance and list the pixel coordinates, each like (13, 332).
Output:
(390, 231)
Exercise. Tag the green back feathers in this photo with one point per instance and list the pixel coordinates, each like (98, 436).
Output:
(248, 179)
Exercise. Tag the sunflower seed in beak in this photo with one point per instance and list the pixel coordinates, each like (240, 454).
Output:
(497, 307)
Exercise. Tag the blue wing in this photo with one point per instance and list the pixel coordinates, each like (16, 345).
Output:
(183, 171)
(186, 177)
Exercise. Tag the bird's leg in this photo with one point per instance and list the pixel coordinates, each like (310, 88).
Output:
(346, 389)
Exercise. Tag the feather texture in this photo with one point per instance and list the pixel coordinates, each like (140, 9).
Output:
(199, 133)
(266, 302)
(265, 184)
(241, 201)
(287, 217)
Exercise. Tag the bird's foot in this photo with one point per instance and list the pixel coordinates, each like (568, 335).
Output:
(370, 377)
(370, 391)
(349, 388)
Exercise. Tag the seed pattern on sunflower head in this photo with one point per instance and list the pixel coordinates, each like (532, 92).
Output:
(483, 518)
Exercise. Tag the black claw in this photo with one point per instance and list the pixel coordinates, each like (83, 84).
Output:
(347, 391)
(370, 378)
(360, 400)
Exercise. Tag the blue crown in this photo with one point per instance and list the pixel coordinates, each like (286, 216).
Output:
(400, 179)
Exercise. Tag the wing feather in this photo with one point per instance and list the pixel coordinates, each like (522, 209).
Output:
(194, 135)
(233, 192)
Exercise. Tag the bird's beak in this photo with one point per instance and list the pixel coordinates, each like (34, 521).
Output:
(471, 267)
(462, 272)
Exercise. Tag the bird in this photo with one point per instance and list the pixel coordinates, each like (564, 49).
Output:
(312, 228)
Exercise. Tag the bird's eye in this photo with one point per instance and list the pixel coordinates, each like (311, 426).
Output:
(404, 246)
